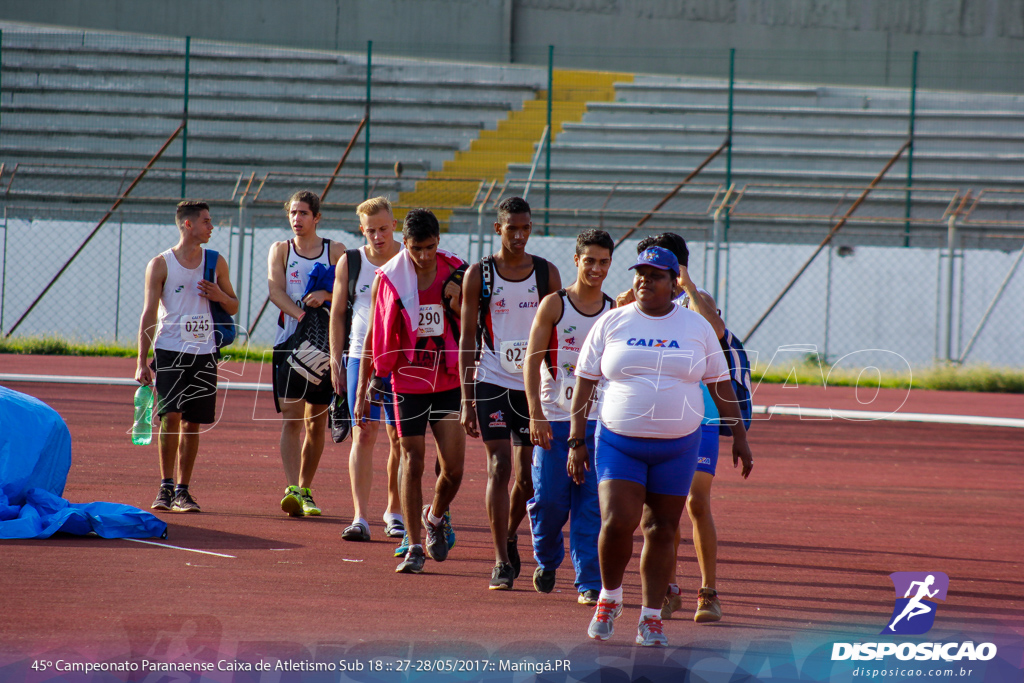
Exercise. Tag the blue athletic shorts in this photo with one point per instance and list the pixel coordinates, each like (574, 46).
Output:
(352, 378)
(663, 466)
(707, 455)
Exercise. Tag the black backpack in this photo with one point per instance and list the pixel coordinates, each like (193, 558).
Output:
(540, 268)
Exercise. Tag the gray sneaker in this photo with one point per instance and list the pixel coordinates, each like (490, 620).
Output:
(602, 626)
(164, 499)
(650, 634)
(183, 502)
(413, 562)
(437, 544)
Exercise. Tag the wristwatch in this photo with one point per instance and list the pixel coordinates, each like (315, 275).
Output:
(574, 443)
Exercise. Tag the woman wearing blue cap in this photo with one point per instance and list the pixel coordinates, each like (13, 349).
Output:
(653, 356)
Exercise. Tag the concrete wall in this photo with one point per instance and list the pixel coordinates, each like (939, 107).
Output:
(971, 44)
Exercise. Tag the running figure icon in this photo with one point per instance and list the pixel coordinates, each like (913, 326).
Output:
(916, 607)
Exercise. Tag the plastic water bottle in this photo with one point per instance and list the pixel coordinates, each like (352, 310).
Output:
(142, 430)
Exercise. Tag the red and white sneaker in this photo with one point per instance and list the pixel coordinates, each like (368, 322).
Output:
(602, 626)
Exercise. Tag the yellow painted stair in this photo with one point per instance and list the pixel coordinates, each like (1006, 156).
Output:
(513, 141)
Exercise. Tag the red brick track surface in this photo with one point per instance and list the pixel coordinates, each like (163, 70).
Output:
(806, 544)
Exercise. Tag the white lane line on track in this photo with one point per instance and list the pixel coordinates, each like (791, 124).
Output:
(787, 410)
(222, 382)
(177, 547)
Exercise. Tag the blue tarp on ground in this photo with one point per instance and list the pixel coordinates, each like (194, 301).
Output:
(35, 457)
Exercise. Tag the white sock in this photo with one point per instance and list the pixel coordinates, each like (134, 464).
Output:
(673, 589)
(611, 595)
(434, 520)
(360, 520)
(649, 612)
(393, 517)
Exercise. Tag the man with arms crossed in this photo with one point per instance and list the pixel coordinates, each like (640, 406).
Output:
(377, 223)
(302, 404)
(494, 401)
(177, 309)
(558, 331)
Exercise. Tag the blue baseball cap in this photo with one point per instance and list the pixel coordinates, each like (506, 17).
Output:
(657, 257)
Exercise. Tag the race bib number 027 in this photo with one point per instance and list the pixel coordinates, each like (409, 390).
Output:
(513, 355)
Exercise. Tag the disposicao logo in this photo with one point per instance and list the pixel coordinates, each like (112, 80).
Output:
(914, 612)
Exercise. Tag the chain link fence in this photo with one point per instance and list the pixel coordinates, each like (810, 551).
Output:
(766, 180)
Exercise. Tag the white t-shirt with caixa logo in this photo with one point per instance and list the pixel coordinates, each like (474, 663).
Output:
(653, 368)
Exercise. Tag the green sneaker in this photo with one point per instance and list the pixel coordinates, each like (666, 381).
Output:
(309, 508)
(292, 501)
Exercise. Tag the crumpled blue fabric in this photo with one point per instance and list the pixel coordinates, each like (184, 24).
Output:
(35, 458)
(320, 277)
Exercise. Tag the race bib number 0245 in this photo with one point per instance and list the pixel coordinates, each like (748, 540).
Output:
(196, 328)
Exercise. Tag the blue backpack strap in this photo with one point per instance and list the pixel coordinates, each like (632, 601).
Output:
(210, 265)
(739, 373)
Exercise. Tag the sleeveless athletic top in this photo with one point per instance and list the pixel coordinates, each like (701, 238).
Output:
(512, 309)
(558, 373)
(185, 320)
(296, 272)
(433, 367)
(361, 303)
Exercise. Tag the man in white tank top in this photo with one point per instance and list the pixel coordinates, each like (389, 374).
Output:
(377, 224)
(493, 393)
(562, 323)
(177, 323)
(303, 405)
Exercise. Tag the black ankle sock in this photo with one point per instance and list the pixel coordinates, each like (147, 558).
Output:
(168, 483)
(181, 487)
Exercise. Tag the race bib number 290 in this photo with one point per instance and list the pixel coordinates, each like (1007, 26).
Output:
(431, 322)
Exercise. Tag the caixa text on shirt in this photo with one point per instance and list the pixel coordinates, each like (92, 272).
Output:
(657, 343)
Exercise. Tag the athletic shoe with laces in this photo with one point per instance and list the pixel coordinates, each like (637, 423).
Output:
(513, 555)
(358, 531)
(309, 508)
(183, 502)
(437, 544)
(413, 562)
(164, 499)
(589, 597)
(602, 626)
(708, 606)
(673, 603)
(292, 501)
(394, 528)
(502, 577)
(544, 580)
(449, 532)
(650, 634)
(401, 550)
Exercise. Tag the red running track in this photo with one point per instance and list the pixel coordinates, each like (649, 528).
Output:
(806, 544)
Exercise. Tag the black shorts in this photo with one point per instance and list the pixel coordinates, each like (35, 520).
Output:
(415, 411)
(501, 413)
(293, 386)
(186, 383)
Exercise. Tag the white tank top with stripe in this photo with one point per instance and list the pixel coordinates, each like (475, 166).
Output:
(296, 273)
(185, 320)
(558, 380)
(513, 307)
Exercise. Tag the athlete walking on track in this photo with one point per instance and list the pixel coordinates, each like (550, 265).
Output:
(176, 322)
(301, 398)
(562, 323)
(350, 318)
(653, 355)
(413, 333)
(500, 300)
